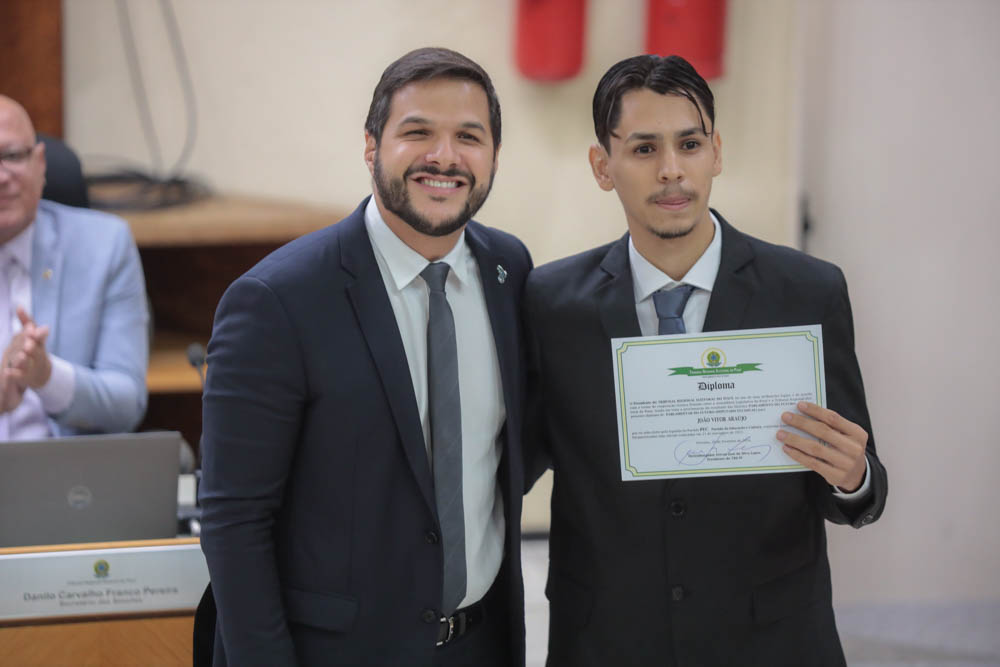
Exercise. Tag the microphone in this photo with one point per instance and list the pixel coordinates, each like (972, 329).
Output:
(196, 357)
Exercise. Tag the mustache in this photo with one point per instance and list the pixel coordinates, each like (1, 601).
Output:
(454, 172)
(670, 193)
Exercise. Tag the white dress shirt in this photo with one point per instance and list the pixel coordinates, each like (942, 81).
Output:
(483, 410)
(29, 420)
(647, 279)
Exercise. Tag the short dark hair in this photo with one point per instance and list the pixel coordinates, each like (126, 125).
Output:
(423, 65)
(665, 75)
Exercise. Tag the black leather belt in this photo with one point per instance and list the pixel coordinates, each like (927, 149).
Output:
(452, 627)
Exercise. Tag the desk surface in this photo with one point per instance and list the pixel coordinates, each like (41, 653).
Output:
(86, 546)
(228, 220)
(169, 369)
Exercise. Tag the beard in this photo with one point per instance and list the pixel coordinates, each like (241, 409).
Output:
(396, 198)
(676, 232)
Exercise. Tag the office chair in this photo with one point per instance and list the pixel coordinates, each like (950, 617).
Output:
(64, 182)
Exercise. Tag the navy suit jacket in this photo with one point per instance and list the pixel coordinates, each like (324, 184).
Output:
(709, 571)
(317, 492)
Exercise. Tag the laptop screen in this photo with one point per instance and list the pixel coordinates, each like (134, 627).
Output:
(93, 488)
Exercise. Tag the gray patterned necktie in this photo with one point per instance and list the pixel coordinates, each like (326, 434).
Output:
(670, 308)
(446, 433)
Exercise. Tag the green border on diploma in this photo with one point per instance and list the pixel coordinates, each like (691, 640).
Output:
(709, 339)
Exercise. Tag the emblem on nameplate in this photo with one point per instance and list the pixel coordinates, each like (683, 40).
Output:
(102, 569)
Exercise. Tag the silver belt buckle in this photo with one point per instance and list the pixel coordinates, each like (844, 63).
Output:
(451, 630)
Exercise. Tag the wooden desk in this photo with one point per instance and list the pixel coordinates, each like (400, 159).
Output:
(51, 548)
(227, 220)
(161, 641)
(138, 638)
(190, 255)
(169, 369)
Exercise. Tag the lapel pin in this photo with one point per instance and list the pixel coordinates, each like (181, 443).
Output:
(501, 274)
(47, 274)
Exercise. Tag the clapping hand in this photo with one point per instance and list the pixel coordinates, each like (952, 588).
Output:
(25, 362)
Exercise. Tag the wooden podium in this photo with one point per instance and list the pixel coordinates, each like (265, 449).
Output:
(107, 637)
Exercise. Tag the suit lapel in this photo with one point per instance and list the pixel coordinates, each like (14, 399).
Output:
(378, 325)
(616, 296)
(46, 276)
(501, 306)
(734, 287)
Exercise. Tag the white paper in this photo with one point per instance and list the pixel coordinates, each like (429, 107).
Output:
(710, 404)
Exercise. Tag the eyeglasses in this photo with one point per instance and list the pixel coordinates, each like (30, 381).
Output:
(15, 160)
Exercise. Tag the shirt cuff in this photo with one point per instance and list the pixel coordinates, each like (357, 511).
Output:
(862, 491)
(57, 393)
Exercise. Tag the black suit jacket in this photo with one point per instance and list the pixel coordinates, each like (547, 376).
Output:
(319, 516)
(701, 572)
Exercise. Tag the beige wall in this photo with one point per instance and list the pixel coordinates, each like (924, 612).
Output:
(887, 109)
(900, 147)
(283, 89)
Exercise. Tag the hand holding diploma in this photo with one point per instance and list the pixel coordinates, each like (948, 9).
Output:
(839, 454)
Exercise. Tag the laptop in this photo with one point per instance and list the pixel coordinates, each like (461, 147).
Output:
(94, 488)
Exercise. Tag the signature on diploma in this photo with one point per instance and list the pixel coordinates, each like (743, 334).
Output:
(693, 455)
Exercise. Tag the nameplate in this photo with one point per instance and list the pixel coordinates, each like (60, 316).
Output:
(96, 582)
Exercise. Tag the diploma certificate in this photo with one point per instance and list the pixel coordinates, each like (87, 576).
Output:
(710, 404)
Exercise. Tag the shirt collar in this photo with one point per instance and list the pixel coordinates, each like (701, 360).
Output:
(405, 263)
(19, 247)
(647, 279)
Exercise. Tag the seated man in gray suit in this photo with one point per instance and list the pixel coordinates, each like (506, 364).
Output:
(73, 317)
(728, 570)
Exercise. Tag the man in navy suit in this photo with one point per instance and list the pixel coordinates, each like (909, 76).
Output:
(328, 430)
(710, 571)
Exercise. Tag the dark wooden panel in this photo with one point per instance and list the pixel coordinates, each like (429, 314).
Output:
(31, 73)
(175, 412)
(185, 283)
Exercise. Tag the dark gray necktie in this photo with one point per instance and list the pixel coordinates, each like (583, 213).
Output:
(670, 308)
(446, 433)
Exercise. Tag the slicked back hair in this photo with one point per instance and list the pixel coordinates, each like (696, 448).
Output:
(423, 65)
(670, 75)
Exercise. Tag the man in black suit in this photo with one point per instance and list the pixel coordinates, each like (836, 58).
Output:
(709, 571)
(363, 409)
